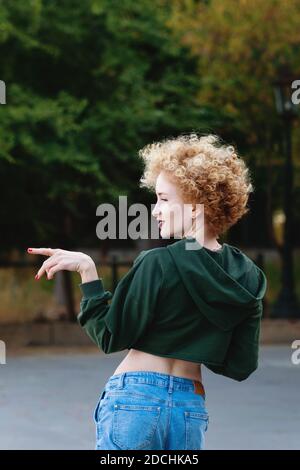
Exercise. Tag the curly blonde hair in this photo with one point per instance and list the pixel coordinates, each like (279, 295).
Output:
(205, 172)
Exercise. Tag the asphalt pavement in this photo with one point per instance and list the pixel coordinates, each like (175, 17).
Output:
(48, 395)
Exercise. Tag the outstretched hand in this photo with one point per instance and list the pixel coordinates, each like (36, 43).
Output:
(59, 260)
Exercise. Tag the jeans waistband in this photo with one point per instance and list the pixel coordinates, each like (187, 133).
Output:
(171, 382)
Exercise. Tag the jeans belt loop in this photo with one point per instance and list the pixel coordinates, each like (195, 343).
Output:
(170, 384)
(121, 380)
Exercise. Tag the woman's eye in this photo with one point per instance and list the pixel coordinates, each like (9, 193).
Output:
(164, 199)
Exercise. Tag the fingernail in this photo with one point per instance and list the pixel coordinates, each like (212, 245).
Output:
(29, 250)
(36, 277)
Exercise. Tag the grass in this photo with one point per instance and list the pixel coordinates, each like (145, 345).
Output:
(23, 299)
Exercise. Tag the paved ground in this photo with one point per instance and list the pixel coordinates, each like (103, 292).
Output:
(47, 398)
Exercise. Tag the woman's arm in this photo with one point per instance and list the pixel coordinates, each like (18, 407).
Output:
(89, 272)
(243, 353)
(119, 325)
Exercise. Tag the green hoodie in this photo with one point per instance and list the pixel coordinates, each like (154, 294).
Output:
(179, 302)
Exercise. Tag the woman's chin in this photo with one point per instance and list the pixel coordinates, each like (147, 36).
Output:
(167, 234)
(164, 233)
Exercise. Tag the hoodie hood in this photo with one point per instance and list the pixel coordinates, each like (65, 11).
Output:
(226, 285)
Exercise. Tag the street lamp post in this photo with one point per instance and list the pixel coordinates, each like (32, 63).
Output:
(286, 306)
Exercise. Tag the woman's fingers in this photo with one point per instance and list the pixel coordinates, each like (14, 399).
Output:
(53, 270)
(42, 251)
(49, 263)
(60, 260)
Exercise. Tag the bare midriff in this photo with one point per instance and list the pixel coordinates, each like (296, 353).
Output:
(141, 361)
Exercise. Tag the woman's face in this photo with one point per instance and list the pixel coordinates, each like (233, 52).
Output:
(175, 216)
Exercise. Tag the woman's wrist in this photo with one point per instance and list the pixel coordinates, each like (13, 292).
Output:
(88, 272)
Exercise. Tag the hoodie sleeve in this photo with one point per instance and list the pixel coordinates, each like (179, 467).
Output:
(242, 356)
(118, 326)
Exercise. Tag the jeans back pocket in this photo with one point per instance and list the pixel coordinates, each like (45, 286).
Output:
(196, 424)
(134, 426)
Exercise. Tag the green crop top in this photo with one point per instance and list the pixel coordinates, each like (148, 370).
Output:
(193, 304)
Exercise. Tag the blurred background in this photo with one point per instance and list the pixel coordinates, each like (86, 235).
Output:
(85, 85)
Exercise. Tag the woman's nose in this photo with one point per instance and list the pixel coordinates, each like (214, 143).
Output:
(155, 212)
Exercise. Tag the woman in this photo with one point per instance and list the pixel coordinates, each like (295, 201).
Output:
(189, 303)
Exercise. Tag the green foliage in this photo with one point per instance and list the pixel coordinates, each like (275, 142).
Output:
(240, 46)
(88, 84)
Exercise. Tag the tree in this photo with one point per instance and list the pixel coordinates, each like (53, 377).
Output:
(239, 48)
(88, 84)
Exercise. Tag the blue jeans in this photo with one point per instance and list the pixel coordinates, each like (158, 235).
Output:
(151, 410)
